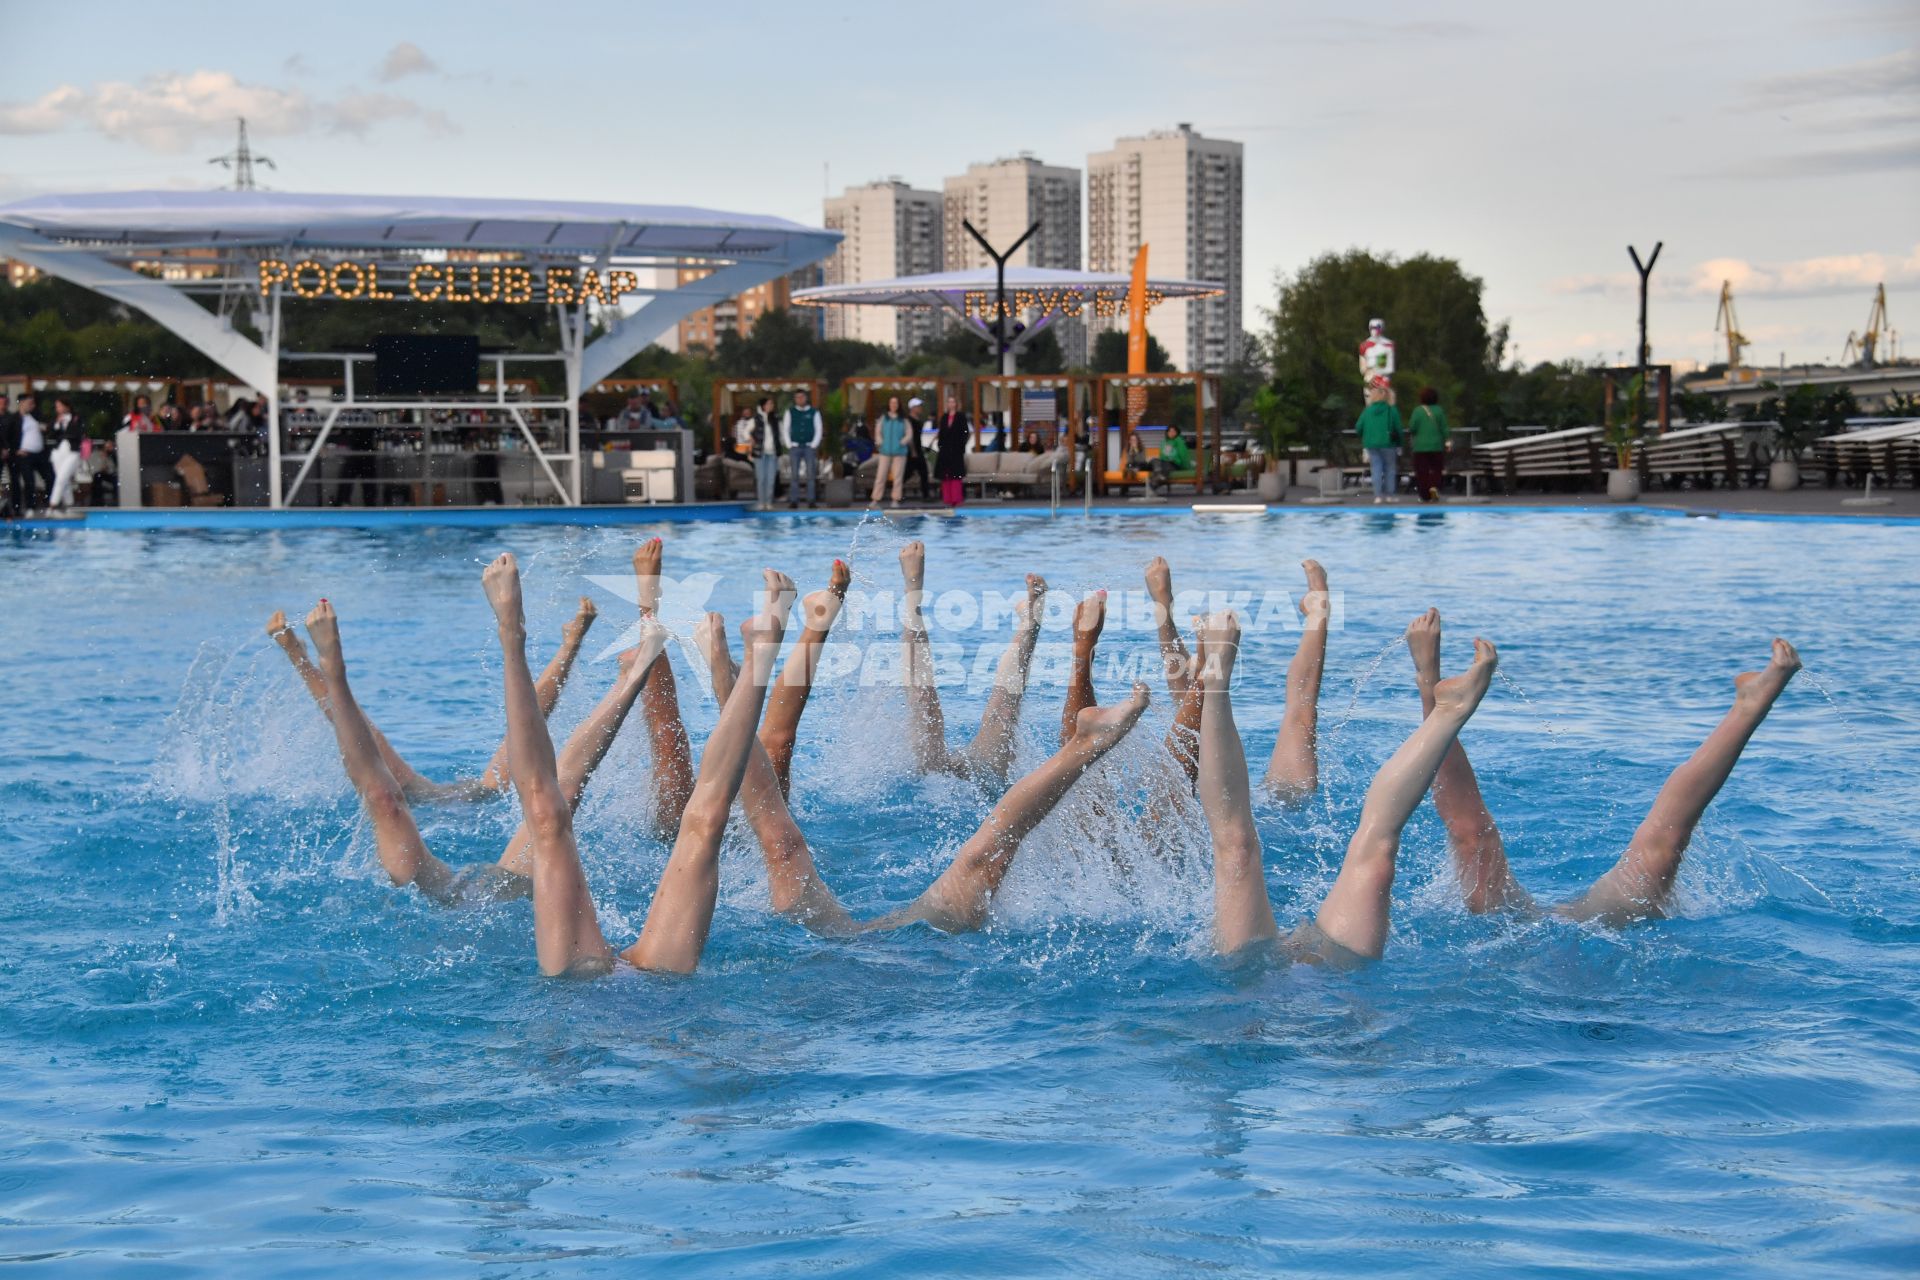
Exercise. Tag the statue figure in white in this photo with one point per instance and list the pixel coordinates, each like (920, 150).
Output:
(1376, 356)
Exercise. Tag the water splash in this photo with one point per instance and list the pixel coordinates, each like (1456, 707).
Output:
(1512, 686)
(1360, 684)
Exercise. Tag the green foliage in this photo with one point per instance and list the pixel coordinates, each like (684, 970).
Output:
(1568, 394)
(52, 327)
(1433, 314)
(1698, 407)
(1624, 431)
(1808, 412)
(1109, 354)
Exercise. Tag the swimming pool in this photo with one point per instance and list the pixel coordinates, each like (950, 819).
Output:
(228, 1045)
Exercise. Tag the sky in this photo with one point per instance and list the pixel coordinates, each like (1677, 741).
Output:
(1776, 145)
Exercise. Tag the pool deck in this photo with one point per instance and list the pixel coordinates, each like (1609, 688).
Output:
(1901, 506)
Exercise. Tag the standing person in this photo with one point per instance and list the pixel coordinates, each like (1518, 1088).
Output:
(1428, 432)
(917, 448)
(167, 417)
(30, 459)
(950, 460)
(891, 444)
(800, 433)
(9, 446)
(67, 435)
(1379, 428)
(763, 446)
(743, 432)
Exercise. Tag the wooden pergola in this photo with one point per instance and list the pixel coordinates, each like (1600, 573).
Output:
(1005, 394)
(728, 394)
(1117, 427)
(867, 397)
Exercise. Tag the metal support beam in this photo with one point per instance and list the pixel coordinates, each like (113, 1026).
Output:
(179, 315)
(631, 333)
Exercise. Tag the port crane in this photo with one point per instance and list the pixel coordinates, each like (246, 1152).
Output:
(1730, 322)
(1863, 349)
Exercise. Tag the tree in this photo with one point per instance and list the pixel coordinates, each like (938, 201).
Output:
(1433, 313)
(1110, 353)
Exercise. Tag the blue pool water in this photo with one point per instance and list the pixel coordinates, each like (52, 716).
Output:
(227, 1045)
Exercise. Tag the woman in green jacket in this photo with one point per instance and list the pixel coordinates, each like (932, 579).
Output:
(1428, 431)
(1379, 428)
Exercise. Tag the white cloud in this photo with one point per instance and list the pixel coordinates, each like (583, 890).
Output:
(405, 59)
(171, 112)
(1807, 277)
(164, 112)
(1892, 76)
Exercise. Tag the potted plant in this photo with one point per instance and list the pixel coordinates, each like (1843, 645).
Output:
(1798, 424)
(1623, 482)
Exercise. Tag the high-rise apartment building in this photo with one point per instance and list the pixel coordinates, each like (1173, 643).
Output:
(1002, 200)
(890, 230)
(1179, 194)
(705, 327)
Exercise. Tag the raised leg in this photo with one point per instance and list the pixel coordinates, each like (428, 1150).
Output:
(794, 884)
(1294, 770)
(1473, 838)
(413, 784)
(989, 758)
(672, 753)
(402, 852)
(1354, 914)
(926, 724)
(493, 779)
(1637, 886)
(1242, 912)
(566, 930)
(1183, 735)
(587, 745)
(682, 911)
(959, 899)
(780, 729)
(1089, 616)
(1173, 652)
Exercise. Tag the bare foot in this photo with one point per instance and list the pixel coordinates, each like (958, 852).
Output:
(576, 631)
(1423, 641)
(1758, 689)
(1313, 605)
(710, 638)
(913, 566)
(1160, 583)
(502, 582)
(1089, 616)
(324, 627)
(636, 662)
(646, 575)
(1101, 728)
(818, 609)
(762, 633)
(1027, 613)
(1216, 645)
(1462, 693)
(284, 635)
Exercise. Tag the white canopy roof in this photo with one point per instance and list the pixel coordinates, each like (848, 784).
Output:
(951, 287)
(277, 218)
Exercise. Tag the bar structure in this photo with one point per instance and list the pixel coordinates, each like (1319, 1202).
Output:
(215, 268)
